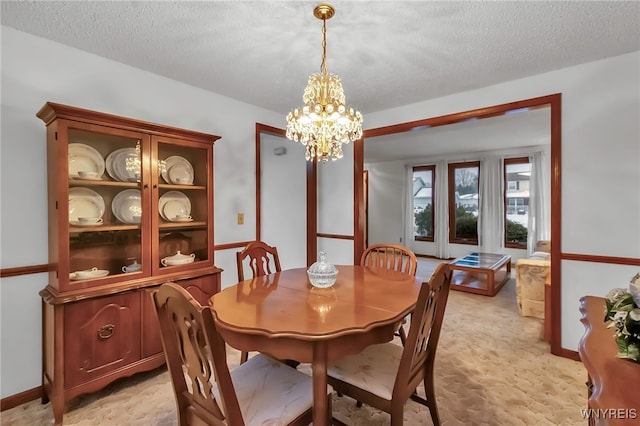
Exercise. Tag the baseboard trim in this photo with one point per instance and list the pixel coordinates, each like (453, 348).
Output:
(568, 353)
(20, 398)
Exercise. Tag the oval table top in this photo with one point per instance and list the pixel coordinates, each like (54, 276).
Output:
(286, 304)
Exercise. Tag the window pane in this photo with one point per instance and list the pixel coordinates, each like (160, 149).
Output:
(517, 203)
(465, 179)
(423, 192)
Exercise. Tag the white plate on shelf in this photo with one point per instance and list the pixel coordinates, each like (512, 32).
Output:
(174, 208)
(86, 178)
(173, 203)
(175, 219)
(98, 273)
(84, 202)
(116, 165)
(127, 206)
(78, 223)
(178, 171)
(85, 158)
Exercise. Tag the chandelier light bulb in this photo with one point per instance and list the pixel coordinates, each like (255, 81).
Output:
(324, 123)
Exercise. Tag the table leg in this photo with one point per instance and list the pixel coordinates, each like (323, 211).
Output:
(319, 370)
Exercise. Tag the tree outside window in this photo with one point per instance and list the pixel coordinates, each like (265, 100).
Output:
(423, 185)
(517, 173)
(464, 201)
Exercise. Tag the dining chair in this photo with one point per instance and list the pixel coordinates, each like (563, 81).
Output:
(385, 376)
(394, 257)
(260, 391)
(262, 260)
(390, 256)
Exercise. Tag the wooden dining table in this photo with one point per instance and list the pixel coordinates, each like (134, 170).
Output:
(284, 316)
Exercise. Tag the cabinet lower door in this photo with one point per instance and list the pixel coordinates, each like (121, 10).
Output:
(101, 335)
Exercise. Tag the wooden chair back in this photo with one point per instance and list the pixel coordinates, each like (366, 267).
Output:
(263, 259)
(390, 256)
(196, 356)
(419, 352)
(356, 375)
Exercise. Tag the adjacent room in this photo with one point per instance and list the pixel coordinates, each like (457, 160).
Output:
(292, 212)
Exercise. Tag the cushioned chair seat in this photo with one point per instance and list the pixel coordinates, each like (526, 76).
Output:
(270, 392)
(374, 369)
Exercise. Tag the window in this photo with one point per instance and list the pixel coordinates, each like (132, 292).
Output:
(423, 200)
(463, 200)
(517, 172)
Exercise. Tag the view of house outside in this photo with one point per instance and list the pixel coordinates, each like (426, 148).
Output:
(517, 179)
(517, 175)
(423, 186)
(465, 179)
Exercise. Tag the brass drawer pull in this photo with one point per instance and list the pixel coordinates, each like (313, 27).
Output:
(106, 331)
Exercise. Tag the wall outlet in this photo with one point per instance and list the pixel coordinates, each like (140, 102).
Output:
(240, 218)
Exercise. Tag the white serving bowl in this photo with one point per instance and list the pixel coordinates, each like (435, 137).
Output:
(178, 259)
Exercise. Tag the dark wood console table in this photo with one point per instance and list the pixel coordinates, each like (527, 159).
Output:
(613, 383)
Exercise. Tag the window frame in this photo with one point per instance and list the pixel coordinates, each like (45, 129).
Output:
(453, 239)
(431, 168)
(508, 162)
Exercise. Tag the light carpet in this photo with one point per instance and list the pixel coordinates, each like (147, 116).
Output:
(492, 368)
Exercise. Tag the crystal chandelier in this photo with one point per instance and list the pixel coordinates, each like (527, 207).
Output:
(324, 123)
(133, 164)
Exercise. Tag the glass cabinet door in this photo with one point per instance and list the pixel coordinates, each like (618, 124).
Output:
(106, 204)
(182, 208)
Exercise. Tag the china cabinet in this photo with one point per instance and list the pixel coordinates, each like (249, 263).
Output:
(130, 207)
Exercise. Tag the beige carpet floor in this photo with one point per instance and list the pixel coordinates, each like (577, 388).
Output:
(492, 368)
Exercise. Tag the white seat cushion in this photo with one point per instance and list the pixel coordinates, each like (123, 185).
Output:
(270, 392)
(374, 369)
(540, 255)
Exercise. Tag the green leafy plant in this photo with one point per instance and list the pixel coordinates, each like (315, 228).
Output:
(623, 310)
(424, 221)
(466, 223)
(516, 232)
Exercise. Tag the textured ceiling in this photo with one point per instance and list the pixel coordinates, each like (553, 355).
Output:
(387, 53)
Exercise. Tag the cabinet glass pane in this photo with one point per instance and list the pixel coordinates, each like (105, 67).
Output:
(105, 204)
(183, 230)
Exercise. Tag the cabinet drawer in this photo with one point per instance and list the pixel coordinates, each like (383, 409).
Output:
(101, 335)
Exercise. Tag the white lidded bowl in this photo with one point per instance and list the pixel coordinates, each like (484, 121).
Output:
(322, 274)
(178, 259)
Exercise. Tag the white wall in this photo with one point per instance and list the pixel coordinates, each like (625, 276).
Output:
(386, 202)
(34, 71)
(283, 189)
(335, 207)
(600, 166)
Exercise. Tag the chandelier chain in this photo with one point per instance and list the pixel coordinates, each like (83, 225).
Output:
(323, 65)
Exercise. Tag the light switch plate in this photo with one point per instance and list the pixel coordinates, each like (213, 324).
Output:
(240, 218)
